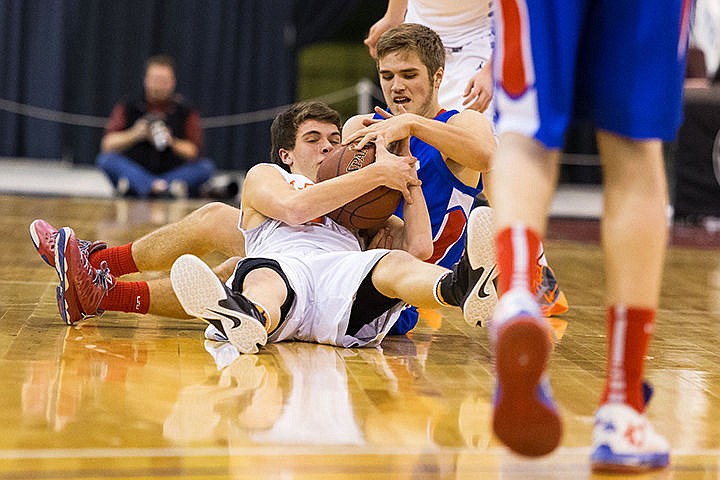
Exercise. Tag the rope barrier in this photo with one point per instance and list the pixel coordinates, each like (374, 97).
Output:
(52, 115)
(365, 90)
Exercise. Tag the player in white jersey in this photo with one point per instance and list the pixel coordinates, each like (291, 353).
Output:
(465, 28)
(306, 277)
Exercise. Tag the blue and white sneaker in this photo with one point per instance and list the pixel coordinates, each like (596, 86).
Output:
(624, 440)
(525, 417)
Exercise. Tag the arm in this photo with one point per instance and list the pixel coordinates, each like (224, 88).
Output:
(479, 89)
(184, 148)
(466, 139)
(122, 140)
(414, 234)
(394, 16)
(266, 194)
(355, 123)
(188, 147)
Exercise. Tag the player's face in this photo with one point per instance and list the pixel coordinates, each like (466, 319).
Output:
(159, 83)
(405, 81)
(314, 141)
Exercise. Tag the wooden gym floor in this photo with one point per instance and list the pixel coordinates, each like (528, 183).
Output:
(123, 396)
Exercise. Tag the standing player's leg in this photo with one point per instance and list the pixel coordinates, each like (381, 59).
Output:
(534, 66)
(525, 417)
(634, 232)
(640, 102)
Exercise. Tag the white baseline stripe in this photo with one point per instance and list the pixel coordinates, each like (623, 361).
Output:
(268, 451)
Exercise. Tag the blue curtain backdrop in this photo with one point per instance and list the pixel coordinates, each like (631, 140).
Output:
(81, 56)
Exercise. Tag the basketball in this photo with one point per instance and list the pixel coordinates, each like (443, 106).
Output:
(368, 210)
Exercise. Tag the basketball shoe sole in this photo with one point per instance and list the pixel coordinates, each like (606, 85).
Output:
(480, 304)
(67, 300)
(525, 418)
(201, 292)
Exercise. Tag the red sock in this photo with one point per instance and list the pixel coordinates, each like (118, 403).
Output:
(133, 297)
(517, 249)
(119, 259)
(629, 332)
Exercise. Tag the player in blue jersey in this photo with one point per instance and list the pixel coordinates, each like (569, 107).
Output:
(452, 147)
(619, 64)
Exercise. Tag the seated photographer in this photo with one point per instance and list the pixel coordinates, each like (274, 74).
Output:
(152, 141)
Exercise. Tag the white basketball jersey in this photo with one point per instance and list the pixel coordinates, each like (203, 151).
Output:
(319, 236)
(456, 21)
(324, 266)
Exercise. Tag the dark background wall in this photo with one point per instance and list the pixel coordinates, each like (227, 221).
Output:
(233, 57)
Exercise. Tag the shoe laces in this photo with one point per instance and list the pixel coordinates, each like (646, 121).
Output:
(86, 246)
(103, 277)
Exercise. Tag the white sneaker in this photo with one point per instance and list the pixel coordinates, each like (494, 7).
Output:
(203, 295)
(480, 303)
(214, 333)
(223, 353)
(625, 441)
(122, 189)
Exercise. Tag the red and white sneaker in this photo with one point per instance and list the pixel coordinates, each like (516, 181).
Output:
(82, 287)
(525, 417)
(43, 237)
(625, 441)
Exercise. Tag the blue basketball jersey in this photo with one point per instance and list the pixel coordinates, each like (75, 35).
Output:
(449, 202)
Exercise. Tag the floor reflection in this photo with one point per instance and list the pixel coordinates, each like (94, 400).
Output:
(53, 390)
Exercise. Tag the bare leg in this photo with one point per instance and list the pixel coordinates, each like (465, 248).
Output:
(211, 228)
(634, 228)
(163, 301)
(400, 275)
(524, 416)
(266, 288)
(524, 180)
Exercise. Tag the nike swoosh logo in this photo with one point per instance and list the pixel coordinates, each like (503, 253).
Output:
(236, 321)
(481, 292)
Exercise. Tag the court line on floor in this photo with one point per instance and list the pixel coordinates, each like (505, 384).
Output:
(281, 450)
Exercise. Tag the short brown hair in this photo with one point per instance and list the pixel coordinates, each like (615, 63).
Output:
(164, 60)
(413, 37)
(285, 126)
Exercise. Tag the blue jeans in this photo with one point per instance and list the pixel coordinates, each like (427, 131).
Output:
(117, 166)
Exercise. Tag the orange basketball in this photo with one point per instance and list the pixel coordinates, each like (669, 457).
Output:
(369, 210)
